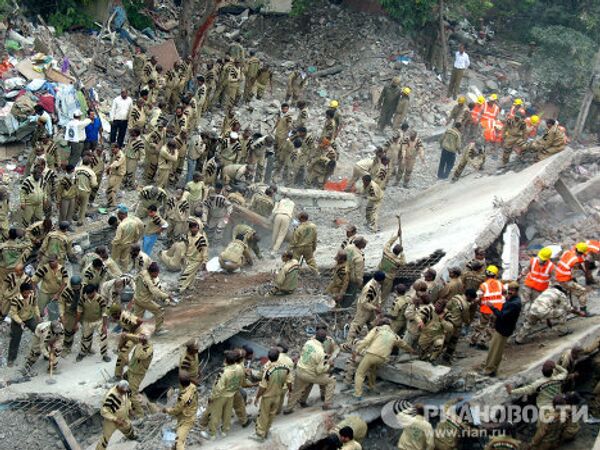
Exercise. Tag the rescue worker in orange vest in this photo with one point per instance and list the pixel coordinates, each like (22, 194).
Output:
(516, 106)
(490, 111)
(477, 109)
(491, 290)
(592, 256)
(569, 260)
(537, 277)
(532, 124)
(493, 134)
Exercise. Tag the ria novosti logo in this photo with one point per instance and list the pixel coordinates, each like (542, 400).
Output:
(398, 414)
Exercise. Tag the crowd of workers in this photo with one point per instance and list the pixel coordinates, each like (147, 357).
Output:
(188, 184)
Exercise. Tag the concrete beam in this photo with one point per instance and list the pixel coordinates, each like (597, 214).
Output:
(570, 199)
(588, 191)
(316, 198)
(58, 421)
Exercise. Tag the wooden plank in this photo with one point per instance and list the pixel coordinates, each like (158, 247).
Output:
(25, 68)
(58, 421)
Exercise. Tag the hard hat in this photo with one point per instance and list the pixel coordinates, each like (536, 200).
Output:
(406, 90)
(461, 100)
(545, 254)
(535, 119)
(481, 99)
(518, 102)
(581, 247)
(494, 97)
(492, 269)
(334, 104)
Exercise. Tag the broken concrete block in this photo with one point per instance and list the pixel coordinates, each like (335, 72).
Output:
(315, 198)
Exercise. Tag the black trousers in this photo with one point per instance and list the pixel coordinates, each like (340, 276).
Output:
(446, 164)
(118, 128)
(15, 337)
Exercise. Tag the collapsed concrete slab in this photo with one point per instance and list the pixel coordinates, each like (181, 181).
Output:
(316, 198)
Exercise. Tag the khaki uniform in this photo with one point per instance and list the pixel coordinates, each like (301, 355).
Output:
(367, 166)
(154, 142)
(67, 308)
(339, 281)
(285, 360)
(177, 213)
(551, 305)
(366, 307)
(264, 78)
(406, 163)
(503, 443)
(282, 129)
(129, 337)
(52, 283)
(32, 200)
(46, 343)
(356, 269)
(286, 280)
(86, 180)
(358, 425)
(195, 256)
(167, 159)
(514, 135)
(546, 388)
(141, 358)
(262, 204)
(276, 376)
(417, 433)
(93, 313)
(251, 72)
(397, 312)
(217, 209)
(10, 287)
(282, 216)
(548, 434)
(431, 338)
(401, 111)
(129, 232)
(220, 403)
(185, 411)
(453, 287)
(97, 167)
(150, 195)
(115, 407)
(457, 313)
(450, 430)
(304, 244)
(390, 264)
(235, 255)
(57, 244)
(312, 369)
(147, 289)
(22, 312)
(173, 258)
(473, 155)
(197, 192)
(234, 78)
(377, 347)
(374, 196)
(296, 83)
(135, 151)
(553, 141)
(66, 193)
(190, 364)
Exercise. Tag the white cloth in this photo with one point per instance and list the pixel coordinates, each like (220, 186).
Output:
(120, 108)
(461, 61)
(75, 131)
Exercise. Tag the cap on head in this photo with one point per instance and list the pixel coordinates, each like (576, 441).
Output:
(122, 208)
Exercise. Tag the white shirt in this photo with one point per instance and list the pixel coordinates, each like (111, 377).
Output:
(120, 108)
(461, 61)
(75, 131)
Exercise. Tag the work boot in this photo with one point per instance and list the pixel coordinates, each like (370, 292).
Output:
(303, 404)
(257, 438)
(80, 356)
(106, 358)
(248, 422)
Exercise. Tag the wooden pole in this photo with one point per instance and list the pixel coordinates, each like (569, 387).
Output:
(444, 41)
(58, 421)
(588, 98)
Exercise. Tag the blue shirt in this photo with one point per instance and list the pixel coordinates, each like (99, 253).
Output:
(92, 130)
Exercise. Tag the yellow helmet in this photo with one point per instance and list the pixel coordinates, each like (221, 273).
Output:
(581, 247)
(494, 97)
(535, 119)
(334, 104)
(518, 102)
(545, 254)
(481, 99)
(492, 269)
(461, 100)
(406, 90)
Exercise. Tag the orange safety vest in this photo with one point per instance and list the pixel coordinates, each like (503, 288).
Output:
(492, 292)
(593, 246)
(538, 277)
(568, 260)
(512, 112)
(489, 114)
(494, 132)
(533, 129)
(475, 112)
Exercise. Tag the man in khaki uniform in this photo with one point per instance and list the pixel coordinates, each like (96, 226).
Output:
(397, 312)
(374, 349)
(450, 145)
(474, 155)
(282, 216)
(296, 83)
(236, 254)
(286, 280)
(129, 232)
(264, 78)
(410, 147)
(66, 192)
(262, 203)
(185, 409)
(356, 423)
(150, 195)
(86, 181)
(367, 306)
(47, 341)
(53, 278)
(275, 377)
(176, 214)
(514, 136)
(69, 299)
(195, 256)
(189, 363)
(544, 388)
(167, 159)
(131, 329)
(196, 192)
(402, 108)
(147, 290)
(304, 241)
(217, 210)
(57, 245)
(155, 140)
(115, 171)
(313, 368)
(553, 141)
(92, 313)
(282, 127)
(115, 414)
(374, 195)
(391, 261)
(339, 282)
(10, 286)
(252, 66)
(24, 313)
(141, 357)
(417, 432)
(367, 166)
(32, 198)
(356, 266)
(457, 312)
(431, 338)
(220, 402)
(137, 260)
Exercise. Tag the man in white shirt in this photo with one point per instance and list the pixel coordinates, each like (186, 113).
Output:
(461, 63)
(75, 136)
(119, 116)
